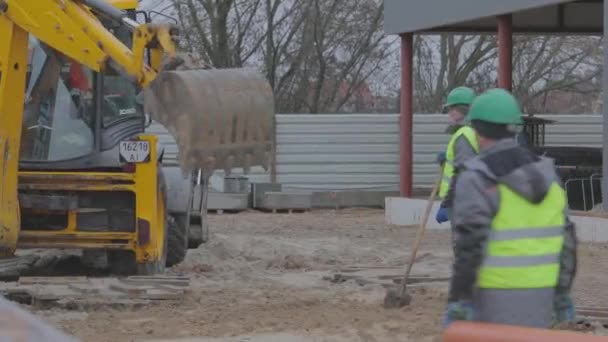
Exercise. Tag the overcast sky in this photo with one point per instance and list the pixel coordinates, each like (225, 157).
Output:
(157, 5)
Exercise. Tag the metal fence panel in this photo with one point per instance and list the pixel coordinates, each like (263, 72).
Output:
(574, 130)
(336, 152)
(361, 151)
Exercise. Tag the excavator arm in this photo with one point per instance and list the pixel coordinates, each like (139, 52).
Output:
(71, 27)
(219, 118)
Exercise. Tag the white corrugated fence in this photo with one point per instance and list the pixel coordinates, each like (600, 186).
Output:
(361, 151)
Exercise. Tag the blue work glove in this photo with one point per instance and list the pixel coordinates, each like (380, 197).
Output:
(442, 215)
(441, 158)
(458, 311)
(563, 309)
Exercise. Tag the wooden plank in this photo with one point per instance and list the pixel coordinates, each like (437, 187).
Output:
(592, 313)
(588, 213)
(175, 281)
(158, 294)
(87, 288)
(53, 280)
(595, 308)
(158, 277)
(50, 292)
(130, 289)
(173, 288)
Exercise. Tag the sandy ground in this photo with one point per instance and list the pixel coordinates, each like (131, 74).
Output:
(261, 278)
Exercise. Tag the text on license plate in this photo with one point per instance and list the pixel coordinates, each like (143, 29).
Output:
(134, 151)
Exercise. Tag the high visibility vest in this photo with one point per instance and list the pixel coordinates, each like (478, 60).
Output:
(448, 167)
(525, 242)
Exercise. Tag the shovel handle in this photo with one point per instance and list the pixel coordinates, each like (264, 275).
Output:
(421, 229)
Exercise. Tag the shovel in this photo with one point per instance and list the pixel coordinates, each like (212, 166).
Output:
(396, 299)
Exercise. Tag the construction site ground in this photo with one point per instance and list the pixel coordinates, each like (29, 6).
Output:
(314, 276)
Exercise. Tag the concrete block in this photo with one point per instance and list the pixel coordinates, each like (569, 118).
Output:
(591, 229)
(259, 189)
(408, 211)
(226, 201)
(286, 200)
(236, 184)
(348, 199)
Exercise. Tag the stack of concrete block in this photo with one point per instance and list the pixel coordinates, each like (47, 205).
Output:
(271, 197)
(235, 196)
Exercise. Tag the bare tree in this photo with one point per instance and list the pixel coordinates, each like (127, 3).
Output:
(332, 55)
(542, 66)
(448, 61)
(223, 32)
(344, 45)
(317, 54)
(549, 65)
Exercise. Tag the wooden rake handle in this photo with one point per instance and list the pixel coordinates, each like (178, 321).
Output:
(421, 229)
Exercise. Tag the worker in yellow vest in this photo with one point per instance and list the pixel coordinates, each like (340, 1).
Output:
(515, 249)
(462, 146)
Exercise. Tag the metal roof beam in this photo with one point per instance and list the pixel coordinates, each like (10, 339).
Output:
(426, 15)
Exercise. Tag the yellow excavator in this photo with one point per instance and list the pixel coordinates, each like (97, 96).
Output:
(80, 80)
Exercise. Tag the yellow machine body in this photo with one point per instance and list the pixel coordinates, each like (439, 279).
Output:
(146, 241)
(215, 131)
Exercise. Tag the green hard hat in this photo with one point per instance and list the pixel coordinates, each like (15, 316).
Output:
(496, 106)
(460, 96)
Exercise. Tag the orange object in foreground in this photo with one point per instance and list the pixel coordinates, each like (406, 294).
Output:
(486, 332)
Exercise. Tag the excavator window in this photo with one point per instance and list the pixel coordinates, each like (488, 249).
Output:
(118, 92)
(58, 121)
(61, 111)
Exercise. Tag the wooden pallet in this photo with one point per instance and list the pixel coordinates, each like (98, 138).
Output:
(83, 292)
(586, 315)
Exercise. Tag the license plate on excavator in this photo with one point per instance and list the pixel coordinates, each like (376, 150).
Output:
(134, 151)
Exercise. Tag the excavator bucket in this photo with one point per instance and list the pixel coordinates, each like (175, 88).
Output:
(220, 118)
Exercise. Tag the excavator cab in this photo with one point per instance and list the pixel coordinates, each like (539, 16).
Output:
(91, 178)
(58, 122)
(72, 113)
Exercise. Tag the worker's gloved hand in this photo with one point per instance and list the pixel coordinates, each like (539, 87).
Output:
(563, 309)
(458, 311)
(441, 158)
(442, 215)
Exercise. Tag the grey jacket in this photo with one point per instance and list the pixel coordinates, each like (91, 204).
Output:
(463, 151)
(476, 203)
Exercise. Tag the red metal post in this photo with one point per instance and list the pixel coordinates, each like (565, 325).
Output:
(505, 51)
(406, 119)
